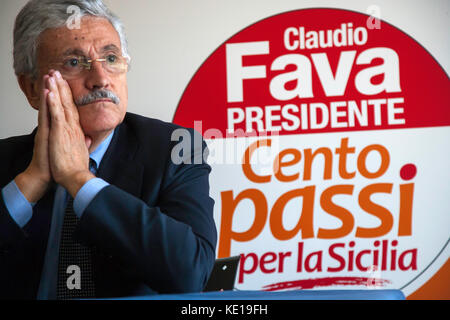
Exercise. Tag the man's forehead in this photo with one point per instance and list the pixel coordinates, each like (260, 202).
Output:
(93, 32)
(79, 51)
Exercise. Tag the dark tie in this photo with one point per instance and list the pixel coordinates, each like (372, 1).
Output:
(75, 276)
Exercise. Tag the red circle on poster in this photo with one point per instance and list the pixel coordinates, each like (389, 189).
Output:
(332, 72)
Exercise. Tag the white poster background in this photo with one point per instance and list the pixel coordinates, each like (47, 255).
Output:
(424, 147)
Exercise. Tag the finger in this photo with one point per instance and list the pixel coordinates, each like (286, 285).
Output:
(56, 112)
(43, 121)
(54, 100)
(65, 94)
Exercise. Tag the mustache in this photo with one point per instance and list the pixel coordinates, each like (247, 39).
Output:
(97, 95)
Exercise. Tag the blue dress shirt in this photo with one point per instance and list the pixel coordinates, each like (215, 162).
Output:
(21, 211)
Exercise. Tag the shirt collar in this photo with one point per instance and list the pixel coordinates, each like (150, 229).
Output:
(99, 152)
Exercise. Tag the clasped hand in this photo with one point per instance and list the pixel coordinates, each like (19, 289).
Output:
(61, 150)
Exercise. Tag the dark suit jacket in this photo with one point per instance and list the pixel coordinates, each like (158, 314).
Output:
(152, 229)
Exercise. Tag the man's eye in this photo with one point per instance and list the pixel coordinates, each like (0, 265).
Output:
(72, 62)
(111, 59)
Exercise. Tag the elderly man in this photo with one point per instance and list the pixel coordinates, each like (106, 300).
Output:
(92, 204)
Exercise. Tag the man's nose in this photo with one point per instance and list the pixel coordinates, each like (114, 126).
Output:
(97, 77)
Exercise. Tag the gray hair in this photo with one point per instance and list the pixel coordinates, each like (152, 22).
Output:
(39, 15)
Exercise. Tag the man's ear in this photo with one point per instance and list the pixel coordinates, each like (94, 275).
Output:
(30, 88)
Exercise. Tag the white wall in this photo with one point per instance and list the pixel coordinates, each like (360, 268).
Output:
(170, 39)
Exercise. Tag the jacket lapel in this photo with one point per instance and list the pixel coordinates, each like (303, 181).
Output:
(119, 166)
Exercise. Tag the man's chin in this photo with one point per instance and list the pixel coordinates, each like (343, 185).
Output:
(98, 125)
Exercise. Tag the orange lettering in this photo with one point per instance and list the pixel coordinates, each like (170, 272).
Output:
(339, 212)
(342, 152)
(384, 161)
(378, 211)
(278, 164)
(247, 168)
(328, 158)
(406, 206)
(305, 223)
(228, 208)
